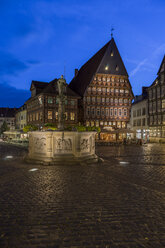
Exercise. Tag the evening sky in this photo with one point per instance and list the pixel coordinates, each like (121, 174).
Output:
(42, 39)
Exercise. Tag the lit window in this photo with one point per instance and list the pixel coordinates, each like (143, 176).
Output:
(117, 68)
(72, 116)
(66, 116)
(40, 99)
(56, 115)
(49, 115)
(50, 99)
(66, 102)
(106, 68)
(111, 53)
(107, 112)
(57, 101)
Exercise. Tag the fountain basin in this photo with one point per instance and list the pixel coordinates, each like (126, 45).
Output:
(61, 147)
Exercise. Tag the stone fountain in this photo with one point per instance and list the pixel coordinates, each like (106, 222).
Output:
(61, 147)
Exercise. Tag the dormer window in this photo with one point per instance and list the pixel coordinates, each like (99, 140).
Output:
(117, 67)
(111, 53)
(106, 68)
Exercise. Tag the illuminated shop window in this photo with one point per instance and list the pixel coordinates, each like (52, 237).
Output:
(92, 123)
(50, 115)
(87, 123)
(97, 123)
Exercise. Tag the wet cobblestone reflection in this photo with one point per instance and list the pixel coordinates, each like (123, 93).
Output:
(110, 205)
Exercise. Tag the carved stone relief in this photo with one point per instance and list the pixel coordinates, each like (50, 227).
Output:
(64, 144)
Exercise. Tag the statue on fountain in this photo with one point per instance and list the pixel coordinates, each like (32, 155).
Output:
(61, 83)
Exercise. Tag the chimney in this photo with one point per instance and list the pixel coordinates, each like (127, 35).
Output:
(75, 72)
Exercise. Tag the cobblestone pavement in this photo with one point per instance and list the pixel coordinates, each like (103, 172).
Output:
(119, 203)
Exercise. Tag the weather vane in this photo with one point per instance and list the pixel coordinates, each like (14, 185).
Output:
(112, 29)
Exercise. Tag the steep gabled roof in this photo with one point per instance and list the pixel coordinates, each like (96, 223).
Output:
(52, 88)
(38, 84)
(101, 62)
(163, 62)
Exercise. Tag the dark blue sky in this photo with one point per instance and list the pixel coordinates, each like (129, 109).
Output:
(39, 37)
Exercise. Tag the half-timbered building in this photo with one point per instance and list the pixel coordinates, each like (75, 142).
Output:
(156, 103)
(105, 90)
(42, 107)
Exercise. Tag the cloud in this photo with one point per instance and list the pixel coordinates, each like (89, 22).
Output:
(146, 64)
(12, 97)
(10, 65)
(138, 67)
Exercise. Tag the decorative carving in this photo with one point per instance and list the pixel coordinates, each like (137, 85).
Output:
(84, 144)
(64, 144)
(39, 143)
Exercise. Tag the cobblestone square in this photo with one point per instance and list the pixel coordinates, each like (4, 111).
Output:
(119, 203)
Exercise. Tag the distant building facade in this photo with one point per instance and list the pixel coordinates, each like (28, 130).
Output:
(21, 117)
(105, 90)
(8, 115)
(139, 116)
(42, 107)
(156, 103)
